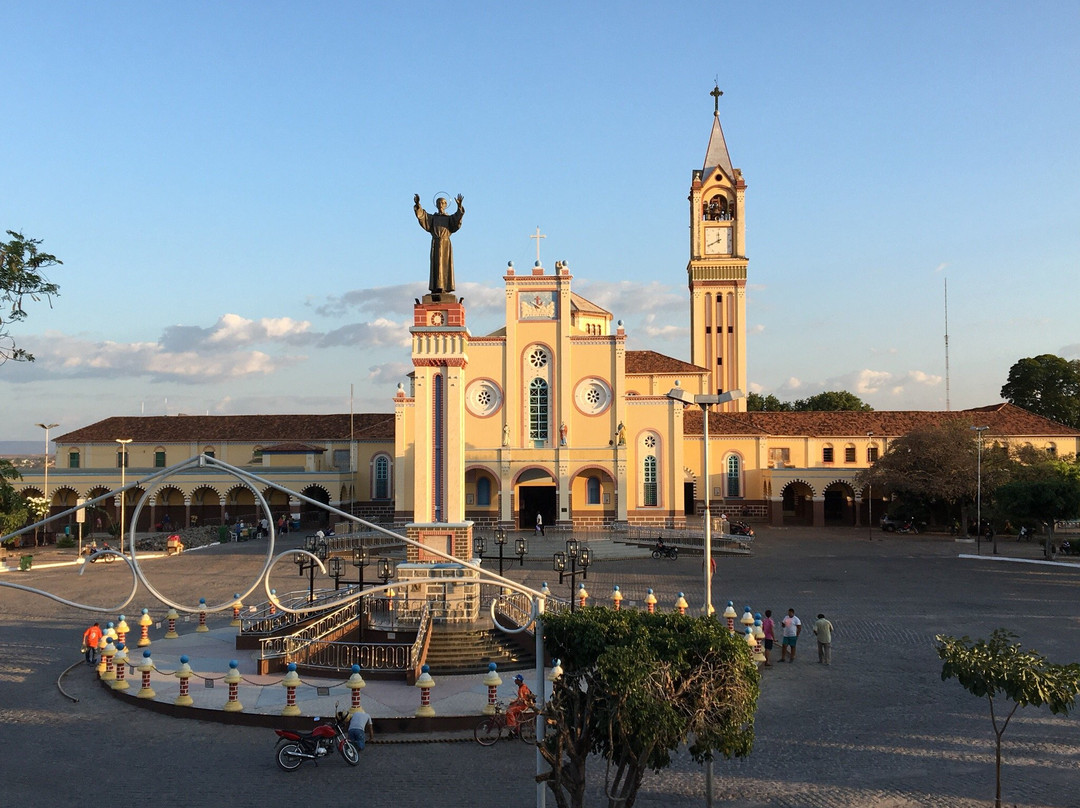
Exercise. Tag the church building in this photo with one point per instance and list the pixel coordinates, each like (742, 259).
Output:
(548, 417)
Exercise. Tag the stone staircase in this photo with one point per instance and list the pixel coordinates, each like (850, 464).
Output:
(466, 650)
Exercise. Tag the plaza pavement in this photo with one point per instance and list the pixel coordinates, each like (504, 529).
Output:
(878, 728)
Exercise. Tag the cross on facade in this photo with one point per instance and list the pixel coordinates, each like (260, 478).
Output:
(537, 236)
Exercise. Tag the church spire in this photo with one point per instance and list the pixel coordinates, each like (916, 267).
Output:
(716, 155)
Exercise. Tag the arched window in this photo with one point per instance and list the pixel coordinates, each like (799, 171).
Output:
(592, 491)
(734, 474)
(381, 478)
(648, 475)
(538, 410)
(483, 491)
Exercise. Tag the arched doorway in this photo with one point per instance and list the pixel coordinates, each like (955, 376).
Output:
(798, 503)
(839, 503)
(537, 493)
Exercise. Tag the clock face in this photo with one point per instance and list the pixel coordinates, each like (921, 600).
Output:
(718, 241)
(437, 318)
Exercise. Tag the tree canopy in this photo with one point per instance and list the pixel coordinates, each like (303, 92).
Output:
(828, 401)
(999, 668)
(636, 687)
(1046, 385)
(13, 510)
(1044, 489)
(21, 278)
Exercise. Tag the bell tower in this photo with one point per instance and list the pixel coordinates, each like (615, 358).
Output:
(717, 268)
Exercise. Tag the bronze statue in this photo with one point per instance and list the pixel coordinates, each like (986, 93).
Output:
(440, 225)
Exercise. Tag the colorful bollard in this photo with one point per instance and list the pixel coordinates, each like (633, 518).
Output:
(145, 621)
(122, 630)
(232, 679)
(556, 670)
(236, 607)
(730, 615)
(172, 617)
(680, 604)
(273, 601)
(582, 596)
(650, 602)
(120, 667)
(290, 683)
(184, 674)
(202, 616)
(616, 598)
(108, 655)
(425, 683)
(145, 668)
(104, 641)
(355, 684)
(747, 619)
(492, 681)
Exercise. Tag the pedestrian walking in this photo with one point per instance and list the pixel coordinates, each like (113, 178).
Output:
(823, 631)
(769, 627)
(90, 643)
(539, 523)
(792, 628)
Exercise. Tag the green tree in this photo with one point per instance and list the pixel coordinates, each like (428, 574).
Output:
(1046, 490)
(937, 464)
(636, 687)
(21, 278)
(832, 400)
(1001, 668)
(12, 506)
(1046, 385)
(755, 402)
(829, 401)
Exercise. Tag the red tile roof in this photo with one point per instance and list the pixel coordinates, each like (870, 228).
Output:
(653, 362)
(273, 429)
(1003, 420)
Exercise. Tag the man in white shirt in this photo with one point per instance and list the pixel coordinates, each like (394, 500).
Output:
(792, 628)
(823, 630)
(360, 729)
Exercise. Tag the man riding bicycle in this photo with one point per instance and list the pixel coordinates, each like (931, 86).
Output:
(525, 699)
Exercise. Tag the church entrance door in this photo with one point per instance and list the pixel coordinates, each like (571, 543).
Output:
(534, 499)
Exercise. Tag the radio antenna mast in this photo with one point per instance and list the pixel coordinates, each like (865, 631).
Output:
(947, 407)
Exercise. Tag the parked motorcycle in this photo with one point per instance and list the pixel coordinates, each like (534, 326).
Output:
(661, 550)
(296, 747)
(907, 526)
(737, 528)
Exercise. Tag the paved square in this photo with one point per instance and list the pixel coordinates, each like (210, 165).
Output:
(878, 728)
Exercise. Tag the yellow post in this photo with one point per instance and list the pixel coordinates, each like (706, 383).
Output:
(236, 607)
(145, 668)
(290, 683)
(109, 674)
(680, 604)
(355, 684)
(144, 628)
(120, 668)
(232, 679)
(172, 617)
(492, 681)
(425, 683)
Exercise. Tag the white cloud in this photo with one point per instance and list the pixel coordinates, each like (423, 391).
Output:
(388, 373)
(379, 333)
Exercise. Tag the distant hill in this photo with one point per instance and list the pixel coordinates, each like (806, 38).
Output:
(20, 447)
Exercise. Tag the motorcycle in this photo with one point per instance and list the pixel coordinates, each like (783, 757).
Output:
(737, 528)
(907, 526)
(296, 747)
(661, 550)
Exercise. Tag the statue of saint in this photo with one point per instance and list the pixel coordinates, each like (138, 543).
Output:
(440, 224)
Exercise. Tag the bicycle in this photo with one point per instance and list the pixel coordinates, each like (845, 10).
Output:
(490, 728)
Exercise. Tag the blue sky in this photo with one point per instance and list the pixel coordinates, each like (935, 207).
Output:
(230, 188)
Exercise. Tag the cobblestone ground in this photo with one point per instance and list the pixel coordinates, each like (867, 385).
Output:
(877, 728)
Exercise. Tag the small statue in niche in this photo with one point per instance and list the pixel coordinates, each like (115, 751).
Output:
(506, 434)
(562, 434)
(621, 434)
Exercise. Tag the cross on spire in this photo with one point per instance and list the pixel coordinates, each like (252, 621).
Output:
(537, 236)
(716, 93)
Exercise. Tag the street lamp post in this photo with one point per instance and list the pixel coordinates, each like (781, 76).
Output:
(337, 570)
(479, 546)
(321, 549)
(522, 547)
(45, 493)
(360, 560)
(869, 494)
(705, 402)
(123, 481)
(978, 494)
(577, 555)
(500, 539)
(386, 570)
